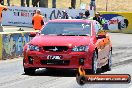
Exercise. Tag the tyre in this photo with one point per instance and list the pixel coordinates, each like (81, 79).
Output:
(108, 66)
(81, 80)
(50, 69)
(29, 71)
(94, 63)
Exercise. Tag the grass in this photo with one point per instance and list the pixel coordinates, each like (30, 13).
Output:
(113, 5)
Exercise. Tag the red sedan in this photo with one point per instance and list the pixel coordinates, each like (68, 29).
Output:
(68, 43)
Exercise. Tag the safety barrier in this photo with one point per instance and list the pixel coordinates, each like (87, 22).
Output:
(22, 16)
(12, 44)
(117, 20)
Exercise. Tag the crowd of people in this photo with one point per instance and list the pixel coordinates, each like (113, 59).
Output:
(23, 3)
(38, 19)
(36, 3)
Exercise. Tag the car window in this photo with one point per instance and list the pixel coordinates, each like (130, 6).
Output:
(67, 28)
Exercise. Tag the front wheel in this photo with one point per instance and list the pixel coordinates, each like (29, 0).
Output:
(29, 71)
(94, 63)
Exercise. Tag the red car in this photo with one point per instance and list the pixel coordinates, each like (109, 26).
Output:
(68, 43)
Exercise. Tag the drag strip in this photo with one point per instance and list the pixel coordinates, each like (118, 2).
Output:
(12, 74)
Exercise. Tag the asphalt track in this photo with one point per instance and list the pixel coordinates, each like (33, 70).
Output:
(12, 75)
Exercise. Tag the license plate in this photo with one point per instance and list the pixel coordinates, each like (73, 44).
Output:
(50, 57)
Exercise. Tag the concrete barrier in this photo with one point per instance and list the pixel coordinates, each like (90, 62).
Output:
(12, 44)
(22, 16)
(117, 20)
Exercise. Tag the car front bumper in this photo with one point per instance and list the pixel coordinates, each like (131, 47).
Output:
(69, 60)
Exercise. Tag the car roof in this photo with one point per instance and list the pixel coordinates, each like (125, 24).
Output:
(72, 20)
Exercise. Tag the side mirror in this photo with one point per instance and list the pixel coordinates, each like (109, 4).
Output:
(32, 34)
(101, 36)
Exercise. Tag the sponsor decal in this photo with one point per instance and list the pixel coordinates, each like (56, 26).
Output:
(115, 21)
(22, 16)
(13, 44)
(82, 78)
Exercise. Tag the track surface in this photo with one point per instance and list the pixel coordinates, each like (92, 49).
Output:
(12, 75)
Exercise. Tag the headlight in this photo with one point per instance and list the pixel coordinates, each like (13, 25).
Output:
(80, 48)
(33, 48)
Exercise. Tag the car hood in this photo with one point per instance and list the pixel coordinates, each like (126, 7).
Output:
(42, 40)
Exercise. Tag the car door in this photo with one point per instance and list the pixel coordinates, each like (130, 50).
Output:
(101, 44)
(106, 49)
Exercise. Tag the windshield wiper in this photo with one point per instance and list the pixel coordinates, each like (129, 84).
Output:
(50, 34)
(84, 35)
(65, 35)
(72, 35)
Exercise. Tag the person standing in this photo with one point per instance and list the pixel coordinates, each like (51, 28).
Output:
(1, 9)
(35, 3)
(28, 3)
(92, 5)
(37, 20)
(2, 2)
(53, 3)
(98, 18)
(73, 4)
(8, 2)
(23, 3)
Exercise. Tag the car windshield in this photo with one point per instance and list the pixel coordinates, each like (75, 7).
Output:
(67, 29)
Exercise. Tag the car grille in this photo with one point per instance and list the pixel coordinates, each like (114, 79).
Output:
(55, 62)
(55, 48)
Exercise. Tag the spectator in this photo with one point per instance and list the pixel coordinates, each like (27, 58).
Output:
(23, 3)
(98, 18)
(8, 2)
(37, 20)
(73, 4)
(28, 3)
(64, 15)
(80, 16)
(53, 3)
(35, 3)
(1, 9)
(32, 2)
(45, 18)
(92, 5)
(2, 2)
(87, 14)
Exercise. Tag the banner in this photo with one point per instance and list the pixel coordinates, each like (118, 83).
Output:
(117, 20)
(22, 16)
(12, 44)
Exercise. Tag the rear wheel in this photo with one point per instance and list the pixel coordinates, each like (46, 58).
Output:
(108, 66)
(94, 63)
(29, 71)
